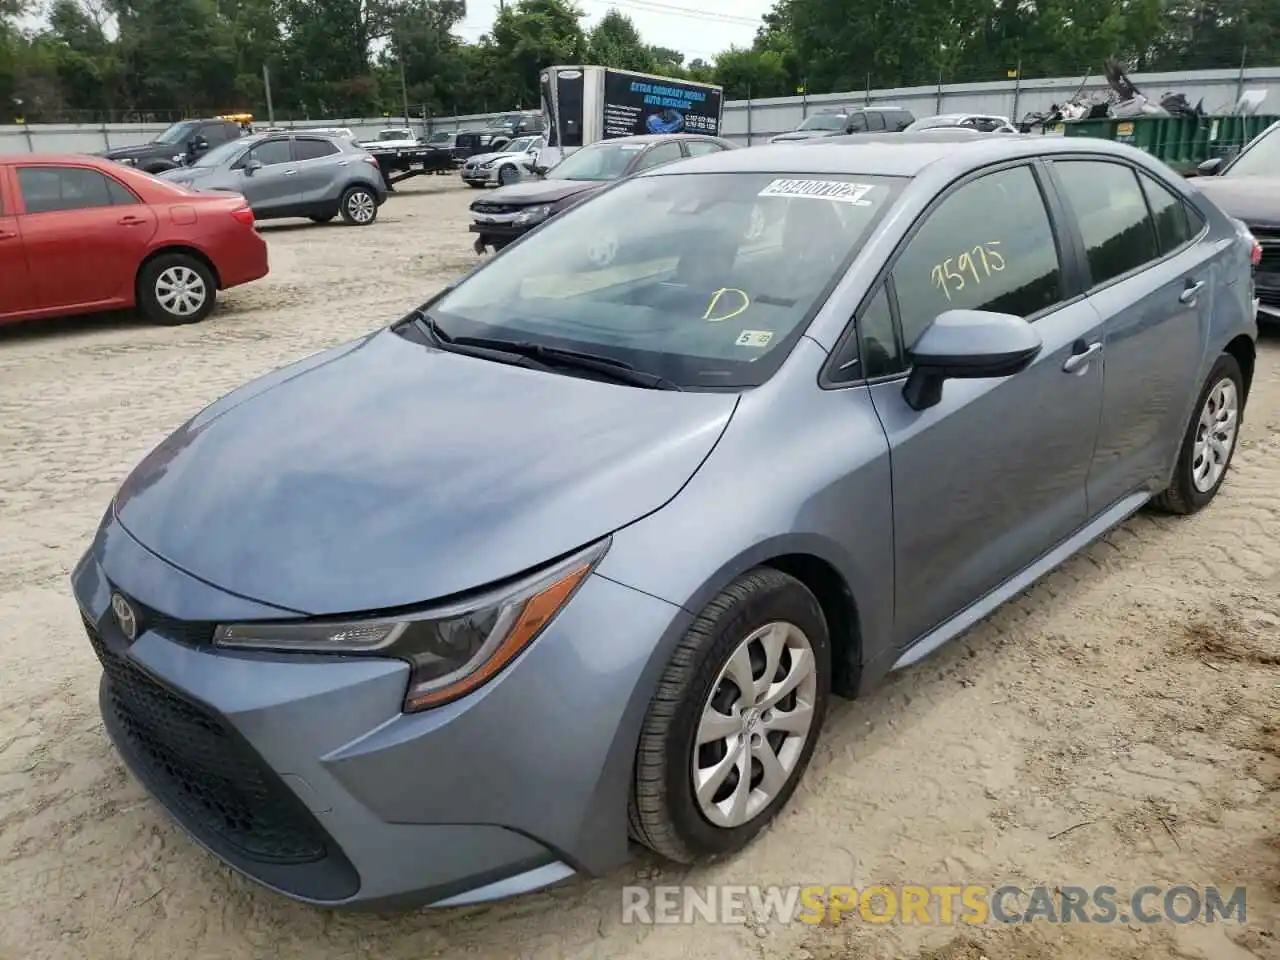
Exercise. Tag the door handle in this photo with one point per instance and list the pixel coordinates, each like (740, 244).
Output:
(1189, 295)
(290, 173)
(1078, 361)
(343, 163)
(131, 221)
(6, 235)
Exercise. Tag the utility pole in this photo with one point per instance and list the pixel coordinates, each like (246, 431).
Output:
(266, 82)
(404, 89)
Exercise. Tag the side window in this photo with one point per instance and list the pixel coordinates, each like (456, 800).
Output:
(270, 153)
(857, 123)
(1112, 212)
(875, 121)
(47, 189)
(1173, 223)
(309, 148)
(987, 246)
(700, 148)
(662, 153)
(120, 194)
(877, 343)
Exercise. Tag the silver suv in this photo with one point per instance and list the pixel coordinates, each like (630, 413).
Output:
(292, 175)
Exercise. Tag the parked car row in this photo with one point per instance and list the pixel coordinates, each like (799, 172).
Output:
(589, 542)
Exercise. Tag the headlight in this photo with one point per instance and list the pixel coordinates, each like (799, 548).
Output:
(534, 214)
(451, 650)
(486, 164)
(179, 157)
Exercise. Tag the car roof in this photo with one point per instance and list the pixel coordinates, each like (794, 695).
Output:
(894, 155)
(655, 137)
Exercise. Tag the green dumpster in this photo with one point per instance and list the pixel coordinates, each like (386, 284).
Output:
(1182, 142)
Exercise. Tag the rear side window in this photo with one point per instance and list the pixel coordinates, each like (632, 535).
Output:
(662, 153)
(311, 148)
(49, 189)
(988, 246)
(700, 148)
(1111, 210)
(1174, 225)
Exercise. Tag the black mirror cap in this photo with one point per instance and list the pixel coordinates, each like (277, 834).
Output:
(1210, 168)
(968, 345)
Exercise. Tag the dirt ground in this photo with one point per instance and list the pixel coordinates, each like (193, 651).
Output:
(1134, 695)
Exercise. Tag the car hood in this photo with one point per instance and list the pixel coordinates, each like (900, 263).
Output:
(383, 473)
(186, 174)
(1255, 200)
(798, 135)
(141, 150)
(487, 157)
(539, 191)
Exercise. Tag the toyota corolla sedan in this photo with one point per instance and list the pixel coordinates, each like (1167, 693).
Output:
(681, 481)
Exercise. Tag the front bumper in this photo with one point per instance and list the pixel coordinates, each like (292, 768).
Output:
(302, 773)
(498, 235)
(480, 175)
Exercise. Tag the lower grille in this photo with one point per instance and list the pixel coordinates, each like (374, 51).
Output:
(495, 208)
(204, 770)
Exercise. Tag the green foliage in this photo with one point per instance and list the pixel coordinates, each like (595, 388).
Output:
(95, 59)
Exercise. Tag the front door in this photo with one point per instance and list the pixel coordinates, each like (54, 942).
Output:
(992, 477)
(84, 234)
(1151, 283)
(272, 187)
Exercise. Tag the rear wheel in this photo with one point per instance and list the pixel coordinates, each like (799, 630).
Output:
(731, 729)
(359, 206)
(176, 288)
(1209, 442)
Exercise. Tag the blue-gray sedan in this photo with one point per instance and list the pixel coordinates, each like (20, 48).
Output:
(579, 551)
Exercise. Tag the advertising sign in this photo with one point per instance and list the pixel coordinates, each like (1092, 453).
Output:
(636, 104)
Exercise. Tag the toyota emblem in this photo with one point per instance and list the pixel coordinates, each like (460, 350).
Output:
(125, 617)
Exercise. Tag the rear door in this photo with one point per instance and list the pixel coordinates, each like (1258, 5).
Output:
(319, 164)
(1152, 284)
(15, 287)
(84, 233)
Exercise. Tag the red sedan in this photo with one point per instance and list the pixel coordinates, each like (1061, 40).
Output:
(81, 234)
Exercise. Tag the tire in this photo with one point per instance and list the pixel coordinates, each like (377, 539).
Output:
(507, 176)
(663, 812)
(1193, 485)
(474, 186)
(326, 218)
(170, 284)
(359, 207)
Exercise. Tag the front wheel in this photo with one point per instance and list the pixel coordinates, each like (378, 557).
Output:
(175, 288)
(507, 176)
(733, 725)
(1209, 442)
(359, 207)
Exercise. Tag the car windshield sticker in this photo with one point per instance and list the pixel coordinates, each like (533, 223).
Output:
(853, 193)
(754, 338)
(725, 304)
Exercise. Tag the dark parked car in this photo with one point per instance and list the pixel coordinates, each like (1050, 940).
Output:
(582, 547)
(181, 144)
(510, 212)
(837, 122)
(1248, 187)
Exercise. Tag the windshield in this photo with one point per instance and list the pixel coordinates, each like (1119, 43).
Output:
(440, 137)
(704, 279)
(1260, 160)
(824, 121)
(600, 161)
(396, 135)
(223, 153)
(933, 123)
(178, 133)
(519, 145)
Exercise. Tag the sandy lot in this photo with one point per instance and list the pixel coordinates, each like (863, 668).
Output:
(1134, 695)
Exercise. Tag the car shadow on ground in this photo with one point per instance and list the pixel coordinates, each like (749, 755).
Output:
(82, 324)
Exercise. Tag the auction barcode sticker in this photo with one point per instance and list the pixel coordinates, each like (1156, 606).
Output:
(820, 190)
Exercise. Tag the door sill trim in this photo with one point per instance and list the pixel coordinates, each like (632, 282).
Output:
(995, 598)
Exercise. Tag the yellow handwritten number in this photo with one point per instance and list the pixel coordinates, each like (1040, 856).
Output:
(980, 262)
(951, 274)
(715, 302)
(940, 281)
(995, 255)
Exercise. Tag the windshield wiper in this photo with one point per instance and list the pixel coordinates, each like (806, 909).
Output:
(617, 370)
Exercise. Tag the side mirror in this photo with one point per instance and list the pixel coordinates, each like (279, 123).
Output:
(251, 165)
(970, 345)
(197, 145)
(1210, 167)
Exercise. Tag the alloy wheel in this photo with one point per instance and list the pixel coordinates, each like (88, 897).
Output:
(361, 207)
(1215, 435)
(755, 724)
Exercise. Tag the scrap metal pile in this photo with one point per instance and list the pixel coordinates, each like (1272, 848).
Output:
(1121, 99)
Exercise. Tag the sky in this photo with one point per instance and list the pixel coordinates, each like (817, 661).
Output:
(699, 32)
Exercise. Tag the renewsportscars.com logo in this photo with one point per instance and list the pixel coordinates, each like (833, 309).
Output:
(910, 903)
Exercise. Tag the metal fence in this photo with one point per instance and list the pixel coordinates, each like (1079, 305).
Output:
(751, 121)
